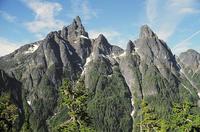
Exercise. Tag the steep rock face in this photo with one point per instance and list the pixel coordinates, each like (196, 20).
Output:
(155, 51)
(40, 67)
(151, 57)
(76, 35)
(190, 67)
(152, 73)
(130, 47)
(190, 59)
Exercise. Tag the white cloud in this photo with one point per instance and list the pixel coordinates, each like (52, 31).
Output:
(151, 10)
(82, 8)
(170, 14)
(45, 16)
(7, 46)
(188, 10)
(7, 17)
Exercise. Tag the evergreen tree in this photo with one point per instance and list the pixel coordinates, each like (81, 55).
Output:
(149, 122)
(183, 120)
(8, 114)
(75, 99)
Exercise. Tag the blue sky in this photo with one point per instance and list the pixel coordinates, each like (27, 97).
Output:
(175, 21)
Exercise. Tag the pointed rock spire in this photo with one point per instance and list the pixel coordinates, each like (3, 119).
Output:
(146, 32)
(77, 20)
(74, 30)
(130, 46)
(101, 38)
(101, 45)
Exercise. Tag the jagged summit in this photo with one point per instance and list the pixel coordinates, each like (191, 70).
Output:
(102, 38)
(77, 20)
(192, 51)
(130, 46)
(190, 58)
(101, 45)
(146, 32)
(74, 30)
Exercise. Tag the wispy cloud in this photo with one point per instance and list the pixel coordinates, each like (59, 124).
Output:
(82, 8)
(166, 15)
(185, 44)
(151, 10)
(188, 10)
(7, 46)
(8, 17)
(45, 16)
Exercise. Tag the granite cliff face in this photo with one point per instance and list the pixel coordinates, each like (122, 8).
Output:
(190, 68)
(116, 79)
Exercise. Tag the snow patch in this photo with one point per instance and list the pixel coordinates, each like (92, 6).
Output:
(136, 49)
(114, 56)
(32, 49)
(82, 36)
(80, 65)
(181, 71)
(88, 60)
(132, 103)
(29, 102)
(199, 94)
(110, 75)
(133, 53)
(83, 71)
(75, 42)
(123, 54)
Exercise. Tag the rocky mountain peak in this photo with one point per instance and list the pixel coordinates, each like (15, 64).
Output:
(101, 45)
(146, 32)
(190, 58)
(101, 38)
(74, 30)
(77, 21)
(130, 46)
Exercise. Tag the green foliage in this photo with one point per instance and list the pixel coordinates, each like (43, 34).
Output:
(8, 114)
(75, 99)
(58, 118)
(181, 119)
(150, 121)
(110, 104)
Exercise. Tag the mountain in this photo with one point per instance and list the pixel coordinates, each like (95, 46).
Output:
(190, 68)
(117, 80)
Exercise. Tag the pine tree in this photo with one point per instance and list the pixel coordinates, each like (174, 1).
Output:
(149, 122)
(76, 102)
(183, 120)
(8, 114)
